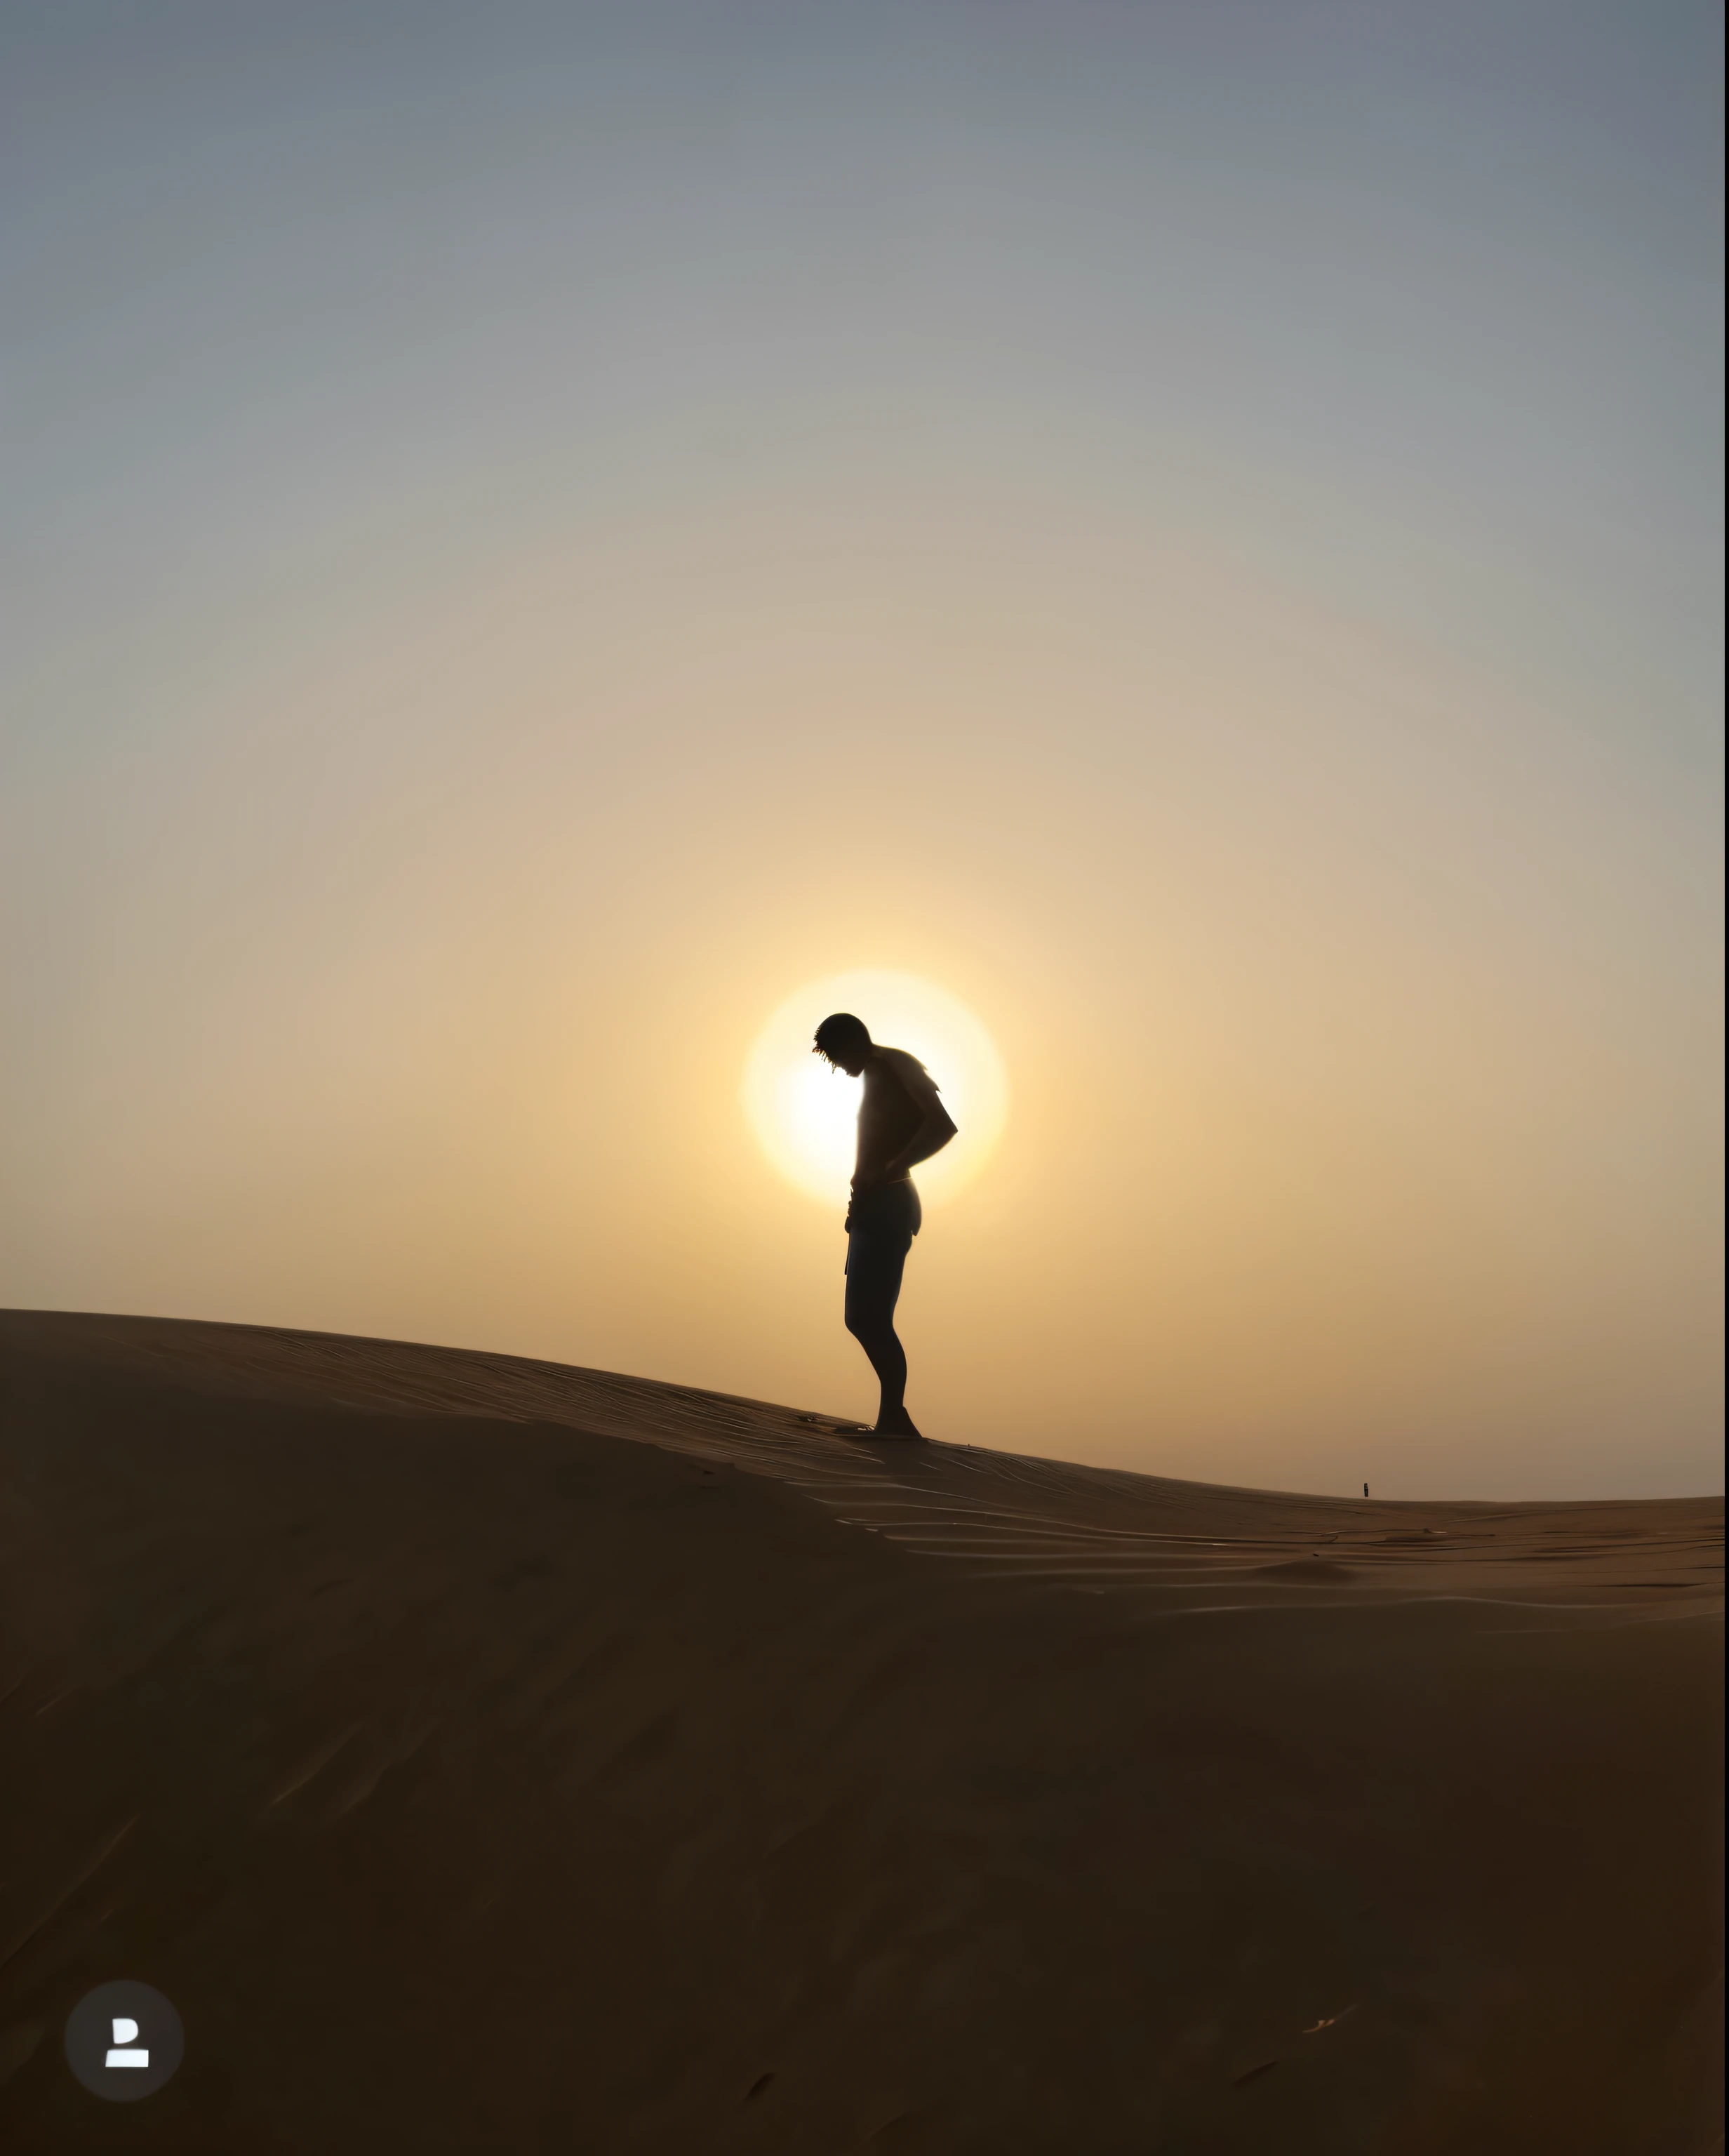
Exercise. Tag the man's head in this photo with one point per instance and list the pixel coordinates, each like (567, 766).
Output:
(843, 1040)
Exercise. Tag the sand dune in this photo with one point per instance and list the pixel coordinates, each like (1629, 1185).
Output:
(490, 1756)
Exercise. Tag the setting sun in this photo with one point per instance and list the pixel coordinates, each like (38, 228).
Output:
(805, 1113)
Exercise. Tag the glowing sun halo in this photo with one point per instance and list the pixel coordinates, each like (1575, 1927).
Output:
(806, 1115)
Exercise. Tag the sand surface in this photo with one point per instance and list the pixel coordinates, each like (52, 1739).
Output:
(489, 1756)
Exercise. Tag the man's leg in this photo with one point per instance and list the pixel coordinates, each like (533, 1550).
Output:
(873, 1288)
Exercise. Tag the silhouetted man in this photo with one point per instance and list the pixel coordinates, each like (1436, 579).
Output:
(901, 1122)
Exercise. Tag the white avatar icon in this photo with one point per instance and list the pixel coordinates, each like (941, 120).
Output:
(120, 2056)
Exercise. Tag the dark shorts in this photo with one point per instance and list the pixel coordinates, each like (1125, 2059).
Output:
(882, 1224)
(879, 1232)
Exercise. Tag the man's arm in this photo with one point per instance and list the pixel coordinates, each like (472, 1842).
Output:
(933, 1132)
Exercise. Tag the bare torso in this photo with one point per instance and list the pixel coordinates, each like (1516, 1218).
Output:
(891, 1111)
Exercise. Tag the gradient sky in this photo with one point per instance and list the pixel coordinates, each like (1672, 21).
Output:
(532, 531)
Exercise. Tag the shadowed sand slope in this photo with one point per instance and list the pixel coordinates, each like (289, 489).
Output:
(490, 1756)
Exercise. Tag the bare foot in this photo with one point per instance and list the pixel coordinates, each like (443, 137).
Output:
(897, 1426)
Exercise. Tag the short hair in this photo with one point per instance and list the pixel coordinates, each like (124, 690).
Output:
(840, 1032)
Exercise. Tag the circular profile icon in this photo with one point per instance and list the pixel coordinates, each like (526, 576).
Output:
(124, 2041)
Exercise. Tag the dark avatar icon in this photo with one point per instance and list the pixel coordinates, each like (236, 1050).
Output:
(901, 1121)
(124, 2040)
